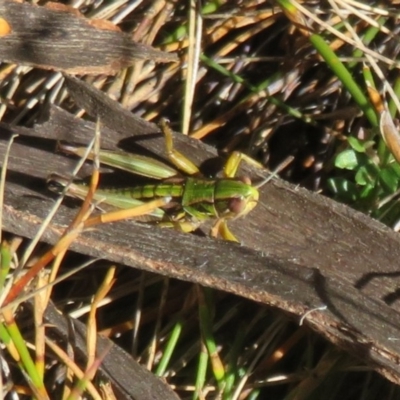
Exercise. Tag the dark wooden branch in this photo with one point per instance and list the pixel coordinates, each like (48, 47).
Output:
(130, 380)
(300, 252)
(57, 37)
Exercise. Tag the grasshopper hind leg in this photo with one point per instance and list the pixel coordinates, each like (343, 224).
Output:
(175, 157)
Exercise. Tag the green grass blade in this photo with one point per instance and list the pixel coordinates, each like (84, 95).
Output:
(201, 373)
(26, 359)
(345, 77)
(232, 367)
(208, 337)
(333, 62)
(5, 263)
(263, 85)
(169, 348)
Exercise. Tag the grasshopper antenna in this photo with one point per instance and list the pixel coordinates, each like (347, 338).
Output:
(275, 172)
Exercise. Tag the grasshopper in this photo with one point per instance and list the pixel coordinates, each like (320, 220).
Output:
(190, 198)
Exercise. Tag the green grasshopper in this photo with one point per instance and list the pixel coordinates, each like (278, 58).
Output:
(190, 199)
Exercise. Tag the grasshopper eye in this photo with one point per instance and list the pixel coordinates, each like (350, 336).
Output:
(237, 205)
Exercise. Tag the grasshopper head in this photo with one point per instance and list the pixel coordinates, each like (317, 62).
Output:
(235, 198)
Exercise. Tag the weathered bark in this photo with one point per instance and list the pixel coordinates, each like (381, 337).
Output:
(57, 37)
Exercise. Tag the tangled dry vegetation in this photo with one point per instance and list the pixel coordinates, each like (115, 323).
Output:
(309, 80)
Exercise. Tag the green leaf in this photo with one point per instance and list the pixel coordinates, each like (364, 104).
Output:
(389, 179)
(368, 194)
(363, 176)
(357, 145)
(395, 167)
(347, 159)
